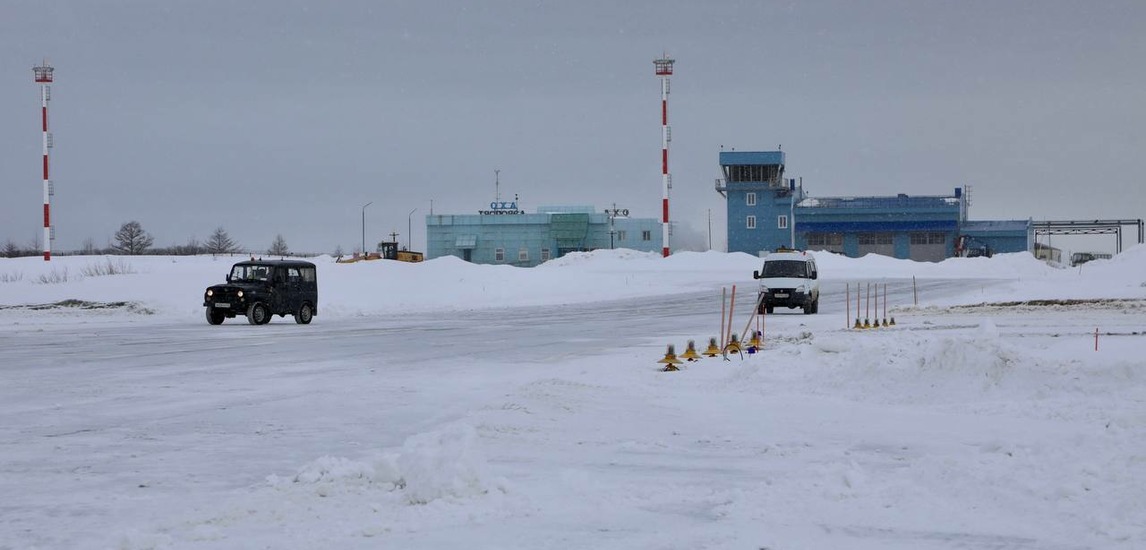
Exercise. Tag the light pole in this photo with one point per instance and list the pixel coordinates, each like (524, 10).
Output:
(364, 228)
(409, 236)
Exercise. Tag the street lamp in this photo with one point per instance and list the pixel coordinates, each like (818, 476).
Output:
(409, 235)
(364, 228)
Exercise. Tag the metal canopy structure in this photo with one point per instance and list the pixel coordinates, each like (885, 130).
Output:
(1089, 227)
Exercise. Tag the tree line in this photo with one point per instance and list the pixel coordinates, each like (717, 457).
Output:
(132, 240)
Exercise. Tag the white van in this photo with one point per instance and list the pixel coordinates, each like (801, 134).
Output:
(788, 279)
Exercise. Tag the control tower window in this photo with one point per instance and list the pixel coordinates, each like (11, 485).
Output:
(757, 173)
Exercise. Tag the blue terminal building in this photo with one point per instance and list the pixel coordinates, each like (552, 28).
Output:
(767, 211)
(505, 234)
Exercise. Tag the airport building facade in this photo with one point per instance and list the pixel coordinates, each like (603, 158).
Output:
(503, 234)
(767, 211)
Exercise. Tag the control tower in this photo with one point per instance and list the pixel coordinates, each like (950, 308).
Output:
(760, 200)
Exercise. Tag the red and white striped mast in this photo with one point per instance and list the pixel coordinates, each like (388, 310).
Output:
(44, 79)
(664, 71)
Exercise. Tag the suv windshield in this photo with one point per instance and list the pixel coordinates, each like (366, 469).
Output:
(250, 273)
(785, 268)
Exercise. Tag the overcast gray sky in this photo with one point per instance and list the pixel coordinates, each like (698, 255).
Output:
(283, 116)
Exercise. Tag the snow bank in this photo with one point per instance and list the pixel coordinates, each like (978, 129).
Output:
(173, 286)
(441, 464)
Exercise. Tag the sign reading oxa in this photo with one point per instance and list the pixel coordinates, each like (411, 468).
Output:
(501, 209)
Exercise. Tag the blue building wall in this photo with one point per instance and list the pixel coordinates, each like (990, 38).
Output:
(933, 220)
(999, 236)
(759, 200)
(763, 207)
(512, 237)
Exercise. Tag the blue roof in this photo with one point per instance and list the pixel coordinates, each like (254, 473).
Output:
(750, 158)
(1018, 226)
(901, 201)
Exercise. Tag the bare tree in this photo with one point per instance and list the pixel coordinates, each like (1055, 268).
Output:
(338, 253)
(89, 247)
(279, 247)
(131, 239)
(12, 250)
(220, 243)
(193, 247)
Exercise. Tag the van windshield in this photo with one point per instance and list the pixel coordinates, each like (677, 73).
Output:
(785, 268)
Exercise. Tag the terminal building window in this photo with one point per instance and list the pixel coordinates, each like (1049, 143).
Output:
(523, 255)
(499, 255)
(621, 235)
(750, 199)
(825, 239)
(875, 238)
(782, 222)
(646, 235)
(545, 254)
(751, 222)
(928, 238)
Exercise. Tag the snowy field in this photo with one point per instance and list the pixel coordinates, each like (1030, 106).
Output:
(447, 405)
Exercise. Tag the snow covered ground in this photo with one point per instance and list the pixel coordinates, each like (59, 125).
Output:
(447, 405)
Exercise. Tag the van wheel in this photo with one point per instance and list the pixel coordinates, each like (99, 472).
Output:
(812, 307)
(258, 314)
(304, 315)
(215, 317)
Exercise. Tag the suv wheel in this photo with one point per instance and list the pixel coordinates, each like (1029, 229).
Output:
(258, 314)
(215, 317)
(304, 314)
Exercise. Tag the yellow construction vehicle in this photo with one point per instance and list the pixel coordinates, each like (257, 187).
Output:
(390, 251)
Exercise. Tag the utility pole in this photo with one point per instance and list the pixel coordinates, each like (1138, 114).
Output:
(364, 227)
(613, 213)
(409, 230)
(611, 231)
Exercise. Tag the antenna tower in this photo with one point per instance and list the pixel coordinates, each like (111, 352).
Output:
(44, 79)
(664, 71)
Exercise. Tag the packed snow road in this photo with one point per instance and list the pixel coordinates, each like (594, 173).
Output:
(107, 418)
(549, 426)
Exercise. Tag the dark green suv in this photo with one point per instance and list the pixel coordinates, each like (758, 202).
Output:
(261, 289)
